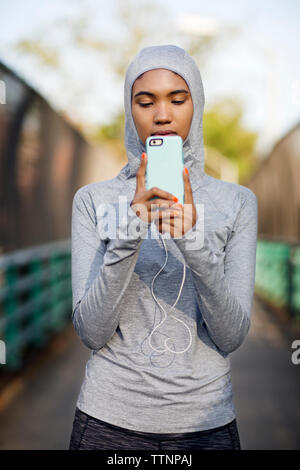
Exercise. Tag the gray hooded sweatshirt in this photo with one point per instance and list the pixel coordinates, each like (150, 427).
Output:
(178, 379)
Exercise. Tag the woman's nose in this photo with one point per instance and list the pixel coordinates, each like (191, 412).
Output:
(162, 113)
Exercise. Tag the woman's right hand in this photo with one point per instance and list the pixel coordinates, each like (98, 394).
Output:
(142, 203)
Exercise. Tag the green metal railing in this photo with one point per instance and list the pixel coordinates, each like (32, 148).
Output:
(36, 291)
(278, 274)
(35, 298)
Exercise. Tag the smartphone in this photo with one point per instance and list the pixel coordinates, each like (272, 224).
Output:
(165, 164)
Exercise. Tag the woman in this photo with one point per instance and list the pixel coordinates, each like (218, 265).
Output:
(173, 390)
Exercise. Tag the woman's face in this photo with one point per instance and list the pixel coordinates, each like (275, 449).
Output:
(161, 104)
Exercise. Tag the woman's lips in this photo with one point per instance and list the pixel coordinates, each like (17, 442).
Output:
(164, 133)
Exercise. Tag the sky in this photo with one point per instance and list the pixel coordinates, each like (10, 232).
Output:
(260, 64)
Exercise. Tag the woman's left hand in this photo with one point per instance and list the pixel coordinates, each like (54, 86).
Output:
(177, 219)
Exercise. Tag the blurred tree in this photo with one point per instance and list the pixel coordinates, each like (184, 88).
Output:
(223, 130)
(47, 55)
(137, 23)
(112, 133)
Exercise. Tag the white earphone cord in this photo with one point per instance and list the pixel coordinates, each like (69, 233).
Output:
(172, 307)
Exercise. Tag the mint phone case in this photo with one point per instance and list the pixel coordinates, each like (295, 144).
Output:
(165, 165)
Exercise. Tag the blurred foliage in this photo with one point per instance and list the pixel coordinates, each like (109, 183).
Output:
(137, 23)
(223, 130)
(112, 133)
(140, 22)
(48, 56)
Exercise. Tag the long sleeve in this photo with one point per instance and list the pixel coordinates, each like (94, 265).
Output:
(101, 269)
(225, 290)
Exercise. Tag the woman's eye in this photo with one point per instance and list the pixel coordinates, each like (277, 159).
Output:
(146, 105)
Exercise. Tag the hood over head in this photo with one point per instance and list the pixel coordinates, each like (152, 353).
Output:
(173, 58)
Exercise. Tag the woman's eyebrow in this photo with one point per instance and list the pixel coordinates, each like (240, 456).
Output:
(152, 94)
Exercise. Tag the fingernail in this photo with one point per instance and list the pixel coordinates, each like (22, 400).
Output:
(143, 155)
(175, 199)
(180, 205)
(186, 170)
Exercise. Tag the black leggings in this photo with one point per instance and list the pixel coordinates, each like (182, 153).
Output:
(93, 434)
